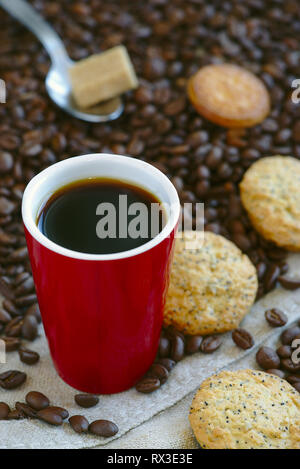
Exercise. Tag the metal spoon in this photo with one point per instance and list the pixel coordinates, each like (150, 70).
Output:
(57, 81)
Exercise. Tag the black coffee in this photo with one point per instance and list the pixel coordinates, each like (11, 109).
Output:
(101, 216)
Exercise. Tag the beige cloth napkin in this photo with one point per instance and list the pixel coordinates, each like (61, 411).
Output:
(130, 409)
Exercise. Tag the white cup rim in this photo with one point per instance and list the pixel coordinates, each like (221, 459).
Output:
(40, 180)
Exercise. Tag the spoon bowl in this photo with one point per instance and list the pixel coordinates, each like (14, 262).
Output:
(58, 82)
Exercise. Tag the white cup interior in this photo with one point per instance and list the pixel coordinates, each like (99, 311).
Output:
(131, 170)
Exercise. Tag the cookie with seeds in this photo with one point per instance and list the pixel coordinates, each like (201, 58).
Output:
(211, 287)
(270, 193)
(229, 95)
(246, 409)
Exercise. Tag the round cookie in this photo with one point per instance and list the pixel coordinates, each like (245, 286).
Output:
(270, 192)
(229, 95)
(246, 409)
(211, 288)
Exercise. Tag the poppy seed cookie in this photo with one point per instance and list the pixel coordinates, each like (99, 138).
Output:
(246, 409)
(211, 288)
(270, 192)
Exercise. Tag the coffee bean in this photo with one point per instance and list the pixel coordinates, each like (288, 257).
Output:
(26, 410)
(14, 327)
(284, 351)
(4, 411)
(147, 385)
(11, 343)
(12, 379)
(289, 335)
(28, 356)
(164, 347)
(167, 363)
(271, 276)
(242, 339)
(86, 400)
(158, 371)
(210, 344)
(289, 365)
(276, 317)
(51, 416)
(276, 372)
(6, 162)
(60, 411)
(79, 423)
(296, 386)
(26, 300)
(34, 310)
(15, 415)
(103, 428)
(37, 401)
(10, 307)
(193, 343)
(293, 379)
(5, 317)
(6, 206)
(267, 358)
(29, 327)
(289, 284)
(177, 348)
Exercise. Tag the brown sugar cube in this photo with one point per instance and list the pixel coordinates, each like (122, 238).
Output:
(229, 95)
(102, 76)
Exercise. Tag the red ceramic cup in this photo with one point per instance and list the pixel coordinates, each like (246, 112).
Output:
(102, 313)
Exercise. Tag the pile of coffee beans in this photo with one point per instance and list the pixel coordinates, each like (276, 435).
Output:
(168, 42)
(173, 347)
(280, 362)
(37, 406)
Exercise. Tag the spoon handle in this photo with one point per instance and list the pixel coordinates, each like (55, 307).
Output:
(26, 15)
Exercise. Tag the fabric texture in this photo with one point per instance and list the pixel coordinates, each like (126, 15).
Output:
(130, 409)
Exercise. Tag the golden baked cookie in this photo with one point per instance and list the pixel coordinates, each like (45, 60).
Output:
(211, 288)
(270, 192)
(246, 409)
(229, 95)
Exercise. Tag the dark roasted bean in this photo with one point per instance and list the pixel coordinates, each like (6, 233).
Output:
(276, 317)
(276, 372)
(28, 356)
(158, 371)
(293, 379)
(12, 379)
(14, 327)
(193, 343)
(60, 411)
(37, 401)
(177, 348)
(164, 347)
(289, 335)
(51, 416)
(271, 276)
(167, 363)
(79, 423)
(29, 327)
(288, 283)
(26, 410)
(34, 310)
(147, 385)
(284, 351)
(288, 365)
(242, 339)
(4, 411)
(15, 415)
(5, 317)
(86, 400)
(103, 428)
(11, 343)
(267, 358)
(210, 344)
